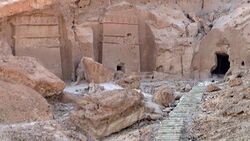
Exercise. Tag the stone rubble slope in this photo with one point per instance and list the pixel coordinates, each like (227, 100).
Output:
(225, 114)
(177, 38)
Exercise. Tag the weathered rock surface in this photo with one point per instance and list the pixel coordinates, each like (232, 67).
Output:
(5, 49)
(229, 35)
(86, 39)
(235, 82)
(129, 81)
(27, 71)
(213, 88)
(11, 7)
(19, 103)
(42, 131)
(225, 115)
(186, 88)
(96, 72)
(143, 134)
(153, 110)
(164, 96)
(102, 114)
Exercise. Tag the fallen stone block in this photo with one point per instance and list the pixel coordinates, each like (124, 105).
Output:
(27, 71)
(19, 103)
(104, 113)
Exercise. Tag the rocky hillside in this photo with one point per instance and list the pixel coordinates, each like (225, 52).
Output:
(122, 70)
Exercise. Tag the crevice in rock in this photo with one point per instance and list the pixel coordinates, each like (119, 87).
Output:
(190, 18)
(202, 5)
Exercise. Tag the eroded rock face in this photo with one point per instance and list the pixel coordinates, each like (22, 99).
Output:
(19, 103)
(11, 7)
(156, 35)
(102, 114)
(5, 49)
(164, 96)
(229, 35)
(235, 82)
(95, 72)
(27, 71)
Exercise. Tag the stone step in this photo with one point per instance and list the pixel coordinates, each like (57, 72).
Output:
(168, 138)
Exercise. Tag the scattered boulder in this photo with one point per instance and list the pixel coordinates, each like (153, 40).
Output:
(102, 114)
(96, 72)
(235, 82)
(69, 98)
(129, 81)
(187, 88)
(19, 103)
(178, 95)
(164, 96)
(27, 71)
(213, 88)
(153, 110)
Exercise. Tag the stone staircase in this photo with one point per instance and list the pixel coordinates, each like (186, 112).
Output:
(173, 128)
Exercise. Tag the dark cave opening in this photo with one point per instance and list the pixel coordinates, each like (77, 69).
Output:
(120, 67)
(223, 64)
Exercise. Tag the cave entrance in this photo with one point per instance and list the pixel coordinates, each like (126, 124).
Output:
(222, 64)
(120, 67)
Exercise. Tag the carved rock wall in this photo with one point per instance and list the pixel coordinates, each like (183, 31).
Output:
(139, 36)
(230, 35)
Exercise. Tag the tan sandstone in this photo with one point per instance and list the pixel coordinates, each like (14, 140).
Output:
(19, 103)
(129, 81)
(224, 115)
(5, 49)
(96, 72)
(213, 88)
(102, 114)
(164, 96)
(235, 82)
(27, 71)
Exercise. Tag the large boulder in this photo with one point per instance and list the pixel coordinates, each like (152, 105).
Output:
(96, 72)
(164, 96)
(27, 71)
(102, 114)
(19, 103)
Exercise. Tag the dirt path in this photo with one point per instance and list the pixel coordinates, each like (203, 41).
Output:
(173, 128)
